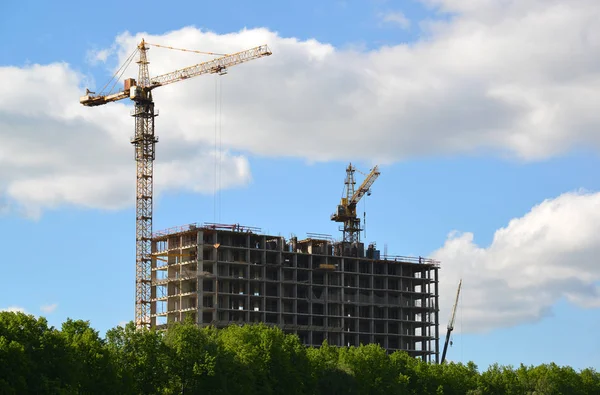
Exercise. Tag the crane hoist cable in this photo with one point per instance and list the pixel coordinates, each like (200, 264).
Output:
(220, 140)
(218, 129)
(215, 159)
(218, 159)
(218, 101)
(365, 217)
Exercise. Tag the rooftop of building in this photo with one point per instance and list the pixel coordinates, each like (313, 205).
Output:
(326, 244)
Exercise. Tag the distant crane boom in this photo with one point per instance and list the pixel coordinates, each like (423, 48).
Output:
(365, 186)
(144, 142)
(451, 322)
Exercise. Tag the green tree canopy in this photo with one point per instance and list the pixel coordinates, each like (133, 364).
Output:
(251, 359)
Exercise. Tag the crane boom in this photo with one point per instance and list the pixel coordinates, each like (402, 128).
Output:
(451, 322)
(365, 186)
(218, 65)
(144, 141)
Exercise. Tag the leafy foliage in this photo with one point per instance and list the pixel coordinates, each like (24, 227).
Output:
(250, 359)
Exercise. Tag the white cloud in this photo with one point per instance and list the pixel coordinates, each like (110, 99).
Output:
(102, 55)
(518, 78)
(397, 18)
(96, 56)
(49, 308)
(547, 255)
(515, 82)
(81, 156)
(14, 309)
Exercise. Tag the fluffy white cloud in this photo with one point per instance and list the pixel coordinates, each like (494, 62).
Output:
(514, 77)
(548, 254)
(519, 80)
(55, 151)
(49, 308)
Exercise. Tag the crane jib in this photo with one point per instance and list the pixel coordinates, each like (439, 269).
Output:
(367, 183)
(213, 66)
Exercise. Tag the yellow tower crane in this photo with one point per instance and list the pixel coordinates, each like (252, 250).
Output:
(144, 141)
(346, 210)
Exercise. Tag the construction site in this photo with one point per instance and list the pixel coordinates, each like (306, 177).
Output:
(318, 288)
(315, 288)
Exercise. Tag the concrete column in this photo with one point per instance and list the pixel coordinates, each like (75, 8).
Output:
(436, 316)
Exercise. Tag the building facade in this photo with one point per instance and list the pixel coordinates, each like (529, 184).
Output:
(315, 288)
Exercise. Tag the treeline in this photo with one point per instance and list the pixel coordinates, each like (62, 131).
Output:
(38, 359)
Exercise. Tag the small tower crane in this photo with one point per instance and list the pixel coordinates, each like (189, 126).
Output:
(144, 141)
(451, 323)
(346, 210)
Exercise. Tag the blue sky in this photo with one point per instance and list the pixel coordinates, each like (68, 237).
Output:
(475, 133)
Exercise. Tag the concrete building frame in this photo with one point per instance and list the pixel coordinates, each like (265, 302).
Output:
(315, 288)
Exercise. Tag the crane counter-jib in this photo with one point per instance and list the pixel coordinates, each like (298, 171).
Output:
(91, 101)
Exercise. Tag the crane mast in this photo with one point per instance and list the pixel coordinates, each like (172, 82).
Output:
(451, 323)
(346, 210)
(144, 142)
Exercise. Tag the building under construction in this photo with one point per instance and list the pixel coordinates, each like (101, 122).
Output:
(316, 288)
